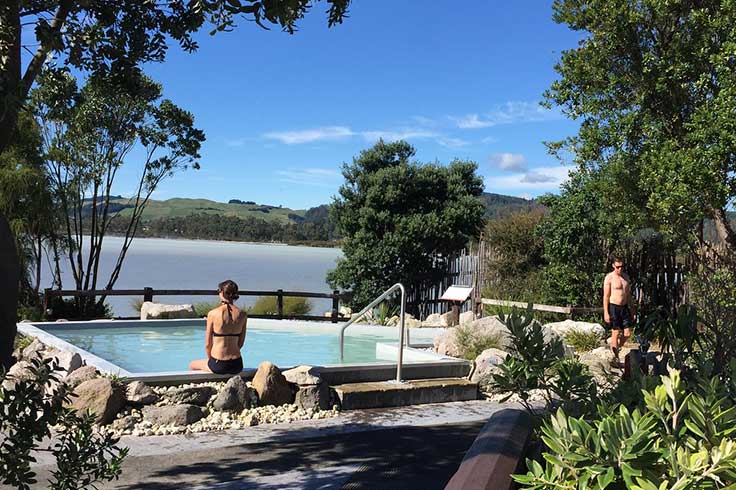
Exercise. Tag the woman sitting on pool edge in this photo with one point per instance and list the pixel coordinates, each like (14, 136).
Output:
(225, 334)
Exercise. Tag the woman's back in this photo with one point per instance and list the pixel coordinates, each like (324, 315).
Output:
(227, 324)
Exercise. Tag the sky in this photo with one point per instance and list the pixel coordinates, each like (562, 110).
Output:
(282, 112)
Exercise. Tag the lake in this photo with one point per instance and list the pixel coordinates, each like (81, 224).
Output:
(201, 264)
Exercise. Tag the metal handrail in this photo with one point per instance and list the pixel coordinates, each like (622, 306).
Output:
(372, 305)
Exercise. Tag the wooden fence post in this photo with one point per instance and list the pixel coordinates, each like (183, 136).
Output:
(280, 303)
(335, 305)
(147, 294)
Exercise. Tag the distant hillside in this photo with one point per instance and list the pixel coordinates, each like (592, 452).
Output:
(180, 207)
(499, 204)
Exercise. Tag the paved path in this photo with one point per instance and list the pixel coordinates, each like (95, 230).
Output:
(409, 447)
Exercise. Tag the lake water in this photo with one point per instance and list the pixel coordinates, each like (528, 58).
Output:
(200, 264)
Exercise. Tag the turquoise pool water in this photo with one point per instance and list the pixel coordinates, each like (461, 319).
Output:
(153, 347)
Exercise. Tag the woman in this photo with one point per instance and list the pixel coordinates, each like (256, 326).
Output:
(225, 334)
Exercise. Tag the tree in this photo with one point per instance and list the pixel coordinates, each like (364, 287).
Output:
(401, 220)
(112, 39)
(88, 136)
(654, 84)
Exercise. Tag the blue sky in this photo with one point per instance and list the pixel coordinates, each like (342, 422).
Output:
(283, 112)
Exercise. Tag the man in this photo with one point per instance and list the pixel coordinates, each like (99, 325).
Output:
(618, 312)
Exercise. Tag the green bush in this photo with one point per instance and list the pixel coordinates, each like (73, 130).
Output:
(535, 363)
(683, 440)
(201, 309)
(582, 341)
(136, 304)
(471, 343)
(21, 341)
(267, 305)
(29, 408)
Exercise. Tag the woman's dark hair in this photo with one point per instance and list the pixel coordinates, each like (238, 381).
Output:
(229, 290)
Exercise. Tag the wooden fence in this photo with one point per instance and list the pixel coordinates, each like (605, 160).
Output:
(148, 294)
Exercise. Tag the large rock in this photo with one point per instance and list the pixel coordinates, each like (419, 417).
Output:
(195, 395)
(434, 320)
(173, 414)
(446, 343)
(302, 375)
(68, 361)
(139, 393)
(315, 397)
(567, 326)
(20, 371)
(598, 361)
(34, 349)
(271, 386)
(466, 317)
(487, 363)
(160, 311)
(100, 397)
(235, 396)
(78, 376)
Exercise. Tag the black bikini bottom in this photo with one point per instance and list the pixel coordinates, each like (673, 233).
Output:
(229, 366)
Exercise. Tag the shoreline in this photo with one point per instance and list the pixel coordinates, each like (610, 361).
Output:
(222, 240)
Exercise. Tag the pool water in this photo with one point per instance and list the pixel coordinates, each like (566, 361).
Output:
(153, 347)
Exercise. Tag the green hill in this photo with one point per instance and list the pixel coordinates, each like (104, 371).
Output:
(499, 204)
(179, 207)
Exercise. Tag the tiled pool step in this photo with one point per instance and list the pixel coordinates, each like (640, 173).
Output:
(412, 392)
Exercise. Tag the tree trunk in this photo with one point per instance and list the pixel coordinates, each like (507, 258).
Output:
(724, 230)
(9, 280)
(10, 77)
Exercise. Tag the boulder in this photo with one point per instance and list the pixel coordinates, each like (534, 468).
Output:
(315, 397)
(34, 349)
(486, 363)
(124, 423)
(598, 360)
(302, 375)
(194, 395)
(68, 361)
(393, 321)
(271, 386)
(433, 320)
(446, 343)
(173, 414)
(78, 376)
(100, 397)
(235, 396)
(20, 371)
(411, 322)
(160, 311)
(563, 328)
(139, 393)
(345, 311)
(466, 317)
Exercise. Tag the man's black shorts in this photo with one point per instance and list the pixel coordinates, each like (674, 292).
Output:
(620, 316)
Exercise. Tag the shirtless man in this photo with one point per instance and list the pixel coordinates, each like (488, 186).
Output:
(617, 305)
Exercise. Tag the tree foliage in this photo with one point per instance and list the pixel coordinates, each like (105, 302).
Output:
(111, 39)
(401, 220)
(654, 85)
(88, 136)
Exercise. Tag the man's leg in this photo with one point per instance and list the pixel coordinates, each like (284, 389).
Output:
(614, 341)
(626, 336)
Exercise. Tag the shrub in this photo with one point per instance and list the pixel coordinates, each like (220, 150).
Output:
(136, 304)
(471, 343)
(535, 363)
(28, 409)
(582, 341)
(267, 305)
(682, 440)
(21, 341)
(381, 314)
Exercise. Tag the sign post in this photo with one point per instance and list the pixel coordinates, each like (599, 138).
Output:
(456, 296)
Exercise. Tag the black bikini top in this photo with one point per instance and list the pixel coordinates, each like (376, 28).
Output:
(229, 313)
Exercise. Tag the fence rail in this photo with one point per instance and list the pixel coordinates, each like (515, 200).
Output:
(570, 311)
(148, 293)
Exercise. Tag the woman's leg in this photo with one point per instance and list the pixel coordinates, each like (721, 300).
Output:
(199, 365)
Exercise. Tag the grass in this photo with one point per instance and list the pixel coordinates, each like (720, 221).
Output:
(267, 305)
(582, 341)
(472, 344)
(136, 304)
(21, 341)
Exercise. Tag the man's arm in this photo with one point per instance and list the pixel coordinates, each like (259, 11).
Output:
(606, 298)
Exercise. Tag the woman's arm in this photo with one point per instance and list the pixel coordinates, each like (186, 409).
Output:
(241, 339)
(208, 337)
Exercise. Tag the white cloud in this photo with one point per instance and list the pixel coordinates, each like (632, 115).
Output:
(310, 135)
(489, 139)
(512, 112)
(398, 135)
(321, 177)
(513, 162)
(471, 121)
(452, 142)
(538, 180)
